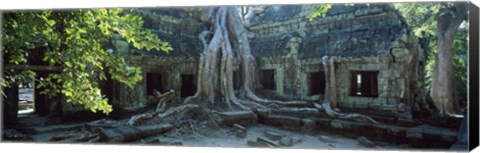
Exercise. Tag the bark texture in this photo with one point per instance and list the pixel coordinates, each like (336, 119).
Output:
(228, 47)
(160, 110)
(443, 85)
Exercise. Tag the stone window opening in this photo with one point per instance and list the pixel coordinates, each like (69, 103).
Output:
(268, 79)
(316, 83)
(154, 82)
(189, 87)
(364, 83)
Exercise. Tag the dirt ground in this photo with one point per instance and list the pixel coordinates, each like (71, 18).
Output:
(193, 134)
(224, 138)
(199, 135)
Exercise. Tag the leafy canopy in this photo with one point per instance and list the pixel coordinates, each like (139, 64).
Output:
(421, 17)
(80, 42)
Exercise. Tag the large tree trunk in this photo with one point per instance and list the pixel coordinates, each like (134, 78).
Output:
(215, 69)
(443, 85)
(229, 43)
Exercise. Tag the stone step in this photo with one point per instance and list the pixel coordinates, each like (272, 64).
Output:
(237, 117)
(424, 136)
(132, 133)
(277, 120)
(49, 129)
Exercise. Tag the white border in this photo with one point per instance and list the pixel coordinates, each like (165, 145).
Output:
(85, 148)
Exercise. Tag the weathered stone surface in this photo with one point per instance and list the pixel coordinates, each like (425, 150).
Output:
(11, 134)
(120, 134)
(273, 135)
(364, 141)
(281, 121)
(286, 141)
(365, 21)
(296, 140)
(240, 127)
(308, 125)
(131, 133)
(297, 112)
(327, 139)
(416, 136)
(237, 117)
(258, 144)
(170, 141)
(261, 139)
(240, 131)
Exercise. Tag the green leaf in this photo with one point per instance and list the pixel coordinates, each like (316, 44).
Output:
(51, 22)
(80, 48)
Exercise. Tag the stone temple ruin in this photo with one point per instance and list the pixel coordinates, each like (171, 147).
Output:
(377, 68)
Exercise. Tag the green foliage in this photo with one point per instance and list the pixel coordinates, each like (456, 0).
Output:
(460, 55)
(319, 11)
(421, 17)
(322, 9)
(78, 41)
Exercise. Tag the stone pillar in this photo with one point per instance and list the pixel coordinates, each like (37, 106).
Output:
(293, 45)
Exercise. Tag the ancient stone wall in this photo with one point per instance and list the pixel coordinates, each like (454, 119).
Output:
(170, 70)
(362, 39)
(359, 30)
(177, 27)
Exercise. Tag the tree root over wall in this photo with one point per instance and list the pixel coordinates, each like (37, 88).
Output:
(160, 110)
(230, 42)
(326, 105)
(228, 46)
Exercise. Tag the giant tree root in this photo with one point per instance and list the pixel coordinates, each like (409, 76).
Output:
(348, 116)
(139, 119)
(326, 105)
(163, 99)
(230, 41)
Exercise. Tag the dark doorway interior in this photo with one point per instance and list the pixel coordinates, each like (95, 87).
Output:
(10, 104)
(154, 82)
(236, 80)
(46, 104)
(188, 85)
(268, 79)
(364, 83)
(316, 82)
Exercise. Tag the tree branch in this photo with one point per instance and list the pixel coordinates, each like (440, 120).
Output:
(460, 12)
(33, 67)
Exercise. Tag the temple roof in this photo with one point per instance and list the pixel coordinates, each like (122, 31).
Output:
(359, 30)
(176, 26)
